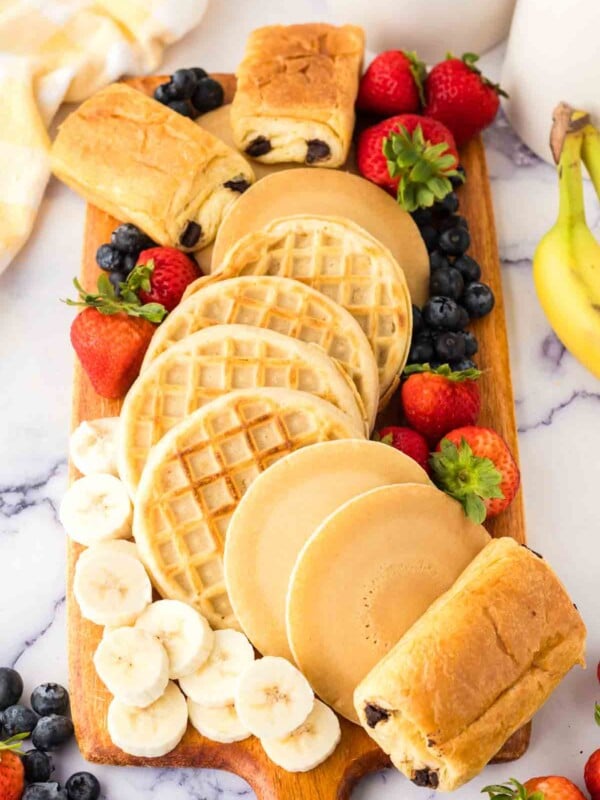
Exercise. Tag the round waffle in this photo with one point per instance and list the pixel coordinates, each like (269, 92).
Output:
(345, 263)
(212, 362)
(198, 472)
(282, 305)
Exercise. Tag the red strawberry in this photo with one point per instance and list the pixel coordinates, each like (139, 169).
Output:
(12, 773)
(591, 775)
(111, 334)
(392, 84)
(458, 95)
(408, 441)
(172, 273)
(475, 466)
(436, 400)
(550, 787)
(411, 157)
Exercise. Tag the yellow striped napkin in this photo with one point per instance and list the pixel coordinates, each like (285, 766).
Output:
(54, 51)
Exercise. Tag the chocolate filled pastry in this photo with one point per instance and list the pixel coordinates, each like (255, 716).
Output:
(143, 163)
(474, 668)
(295, 94)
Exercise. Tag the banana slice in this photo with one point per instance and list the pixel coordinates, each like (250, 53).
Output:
(149, 732)
(310, 744)
(126, 546)
(93, 446)
(185, 634)
(133, 665)
(273, 697)
(96, 508)
(111, 588)
(217, 724)
(214, 684)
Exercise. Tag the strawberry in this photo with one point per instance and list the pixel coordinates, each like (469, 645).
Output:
(436, 400)
(407, 441)
(392, 84)
(591, 775)
(550, 787)
(12, 773)
(411, 157)
(458, 95)
(111, 334)
(172, 272)
(475, 466)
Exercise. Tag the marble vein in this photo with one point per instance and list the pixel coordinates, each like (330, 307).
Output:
(36, 637)
(575, 397)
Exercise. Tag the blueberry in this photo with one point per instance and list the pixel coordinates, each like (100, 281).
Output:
(50, 698)
(207, 95)
(438, 260)
(44, 791)
(184, 82)
(463, 363)
(199, 73)
(83, 786)
(447, 281)
(449, 346)
(128, 238)
(422, 216)
(166, 92)
(463, 319)
(471, 345)
(11, 687)
(449, 205)
(38, 766)
(478, 299)
(430, 237)
(108, 257)
(458, 180)
(18, 719)
(442, 313)
(455, 241)
(453, 221)
(417, 320)
(129, 262)
(182, 107)
(51, 732)
(421, 348)
(117, 278)
(468, 268)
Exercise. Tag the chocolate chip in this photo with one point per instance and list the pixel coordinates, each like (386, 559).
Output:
(259, 147)
(191, 233)
(237, 185)
(375, 714)
(425, 777)
(317, 151)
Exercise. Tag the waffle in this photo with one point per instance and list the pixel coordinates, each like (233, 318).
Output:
(212, 362)
(196, 475)
(284, 306)
(345, 263)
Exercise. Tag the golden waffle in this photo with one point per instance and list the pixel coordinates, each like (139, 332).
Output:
(284, 306)
(212, 362)
(345, 263)
(197, 473)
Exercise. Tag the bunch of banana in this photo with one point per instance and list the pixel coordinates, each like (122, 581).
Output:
(566, 264)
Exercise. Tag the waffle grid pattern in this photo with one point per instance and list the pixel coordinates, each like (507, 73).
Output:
(189, 493)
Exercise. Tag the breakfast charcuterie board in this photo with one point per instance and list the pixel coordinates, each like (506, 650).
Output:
(357, 754)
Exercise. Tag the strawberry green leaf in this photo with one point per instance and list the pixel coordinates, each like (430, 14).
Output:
(470, 60)
(597, 713)
(511, 790)
(419, 72)
(446, 371)
(107, 302)
(468, 478)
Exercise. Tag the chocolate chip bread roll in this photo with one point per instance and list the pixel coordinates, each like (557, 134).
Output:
(144, 163)
(473, 669)
(295, 94)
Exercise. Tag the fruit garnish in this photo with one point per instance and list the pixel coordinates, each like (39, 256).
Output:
(423, 169)
(511, 790)
(591, 774)
(471, 374)
(392, 84)
(597, 713)
(549, 787)
(171, 272)
(406, 440)
(105, 300)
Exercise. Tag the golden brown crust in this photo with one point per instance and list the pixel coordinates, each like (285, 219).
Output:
(298, 83)
(143, 163)
(475, 667)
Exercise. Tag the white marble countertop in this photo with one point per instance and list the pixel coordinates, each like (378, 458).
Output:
(558, 405)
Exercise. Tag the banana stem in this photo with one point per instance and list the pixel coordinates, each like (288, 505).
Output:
(590, 152)
(571, 207)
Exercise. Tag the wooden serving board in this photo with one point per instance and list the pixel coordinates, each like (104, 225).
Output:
(357, 755)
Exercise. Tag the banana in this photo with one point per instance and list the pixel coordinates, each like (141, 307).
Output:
(96, 508)
(93, 446)
(566, 264)
(217, 724)
(273, 697)
(214, 684)
(112, 588)
(125, 546)
(184, 633)
(133, 665)
(149, 732)
(310, 744)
